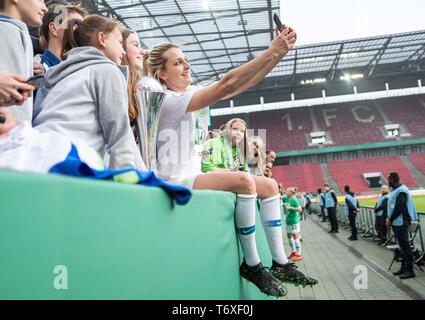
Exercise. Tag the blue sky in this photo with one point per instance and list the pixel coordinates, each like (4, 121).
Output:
(331, 20)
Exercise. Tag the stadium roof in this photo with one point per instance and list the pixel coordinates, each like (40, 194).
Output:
(219, 35)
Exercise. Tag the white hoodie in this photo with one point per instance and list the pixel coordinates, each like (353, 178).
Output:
(16, 57)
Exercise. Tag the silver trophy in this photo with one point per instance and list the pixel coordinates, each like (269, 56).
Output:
(149, 102)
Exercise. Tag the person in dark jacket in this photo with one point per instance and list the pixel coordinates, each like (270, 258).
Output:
(381, 215)
(331, 203)
(401, 213)
(351, 209)
(322, 204)
(308, 203)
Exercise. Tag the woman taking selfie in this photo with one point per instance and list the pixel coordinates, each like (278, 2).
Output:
(180, 153)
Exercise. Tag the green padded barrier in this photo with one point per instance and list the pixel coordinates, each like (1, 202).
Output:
(117, 242)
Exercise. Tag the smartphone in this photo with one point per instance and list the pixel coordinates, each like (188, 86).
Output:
(279, 23)
(36, 81)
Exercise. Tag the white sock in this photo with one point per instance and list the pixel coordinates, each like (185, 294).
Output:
(272, 224)
(292, 244)
(298, 246)
(245, 227)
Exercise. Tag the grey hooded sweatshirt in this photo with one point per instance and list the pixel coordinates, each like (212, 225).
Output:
(85, 98)
(16, 56)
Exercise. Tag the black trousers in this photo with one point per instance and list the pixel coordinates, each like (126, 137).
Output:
(402, 235)
(332, 218)
(308, 208)
(322, 210)
(381, 227)
(352, 218)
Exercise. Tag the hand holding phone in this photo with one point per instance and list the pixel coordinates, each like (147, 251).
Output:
(36, 81)
(279, 23)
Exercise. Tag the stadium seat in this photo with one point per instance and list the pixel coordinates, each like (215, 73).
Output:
(350, 123)
(406, 111)
(350, 172)
(307, 176)
(418, 160)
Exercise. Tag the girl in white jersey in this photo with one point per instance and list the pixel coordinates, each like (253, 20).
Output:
(180, 151)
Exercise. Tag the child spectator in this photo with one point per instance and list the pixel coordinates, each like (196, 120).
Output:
(256, 156)
(16, 54)
(134, 60)
(52, 31)
(85, 97)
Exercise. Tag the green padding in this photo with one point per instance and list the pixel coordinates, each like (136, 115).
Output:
(117, 241)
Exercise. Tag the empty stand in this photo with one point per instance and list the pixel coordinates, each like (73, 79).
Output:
(351, 123)
(407, 111)
(350, 172)
(418, 160)
(348, 123)
(307, 177)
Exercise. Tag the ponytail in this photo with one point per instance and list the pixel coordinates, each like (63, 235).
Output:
(69, 41)
(84, 32)
(145, 71)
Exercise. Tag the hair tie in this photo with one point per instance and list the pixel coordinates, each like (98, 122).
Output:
(78, 21)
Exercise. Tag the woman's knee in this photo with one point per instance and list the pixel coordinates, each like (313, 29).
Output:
(247, 183)
(271, 187)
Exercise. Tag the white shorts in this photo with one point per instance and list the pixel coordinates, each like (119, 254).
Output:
(294, 228)
(184, 181)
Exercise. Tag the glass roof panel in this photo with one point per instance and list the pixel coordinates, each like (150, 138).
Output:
(219, 33)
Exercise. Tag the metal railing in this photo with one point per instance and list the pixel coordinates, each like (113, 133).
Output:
(366, 225)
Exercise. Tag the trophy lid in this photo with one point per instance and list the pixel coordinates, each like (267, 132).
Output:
(150, 84)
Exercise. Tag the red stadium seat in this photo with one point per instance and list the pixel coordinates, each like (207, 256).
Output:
(350, 172)
(351, 123)
(406, 111)
(347, 123)
(418, 160)
(307, 177)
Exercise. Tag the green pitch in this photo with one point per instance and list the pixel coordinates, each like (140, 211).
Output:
(419, 203)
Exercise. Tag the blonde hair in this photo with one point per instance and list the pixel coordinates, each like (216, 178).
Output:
(154, 61)
(227, 132)
(259, 159)
(291, 190)
(259, 142)
(228, 127)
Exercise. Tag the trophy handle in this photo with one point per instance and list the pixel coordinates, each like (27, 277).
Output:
(150, 105)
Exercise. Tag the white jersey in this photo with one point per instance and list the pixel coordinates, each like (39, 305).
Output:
(178, 130)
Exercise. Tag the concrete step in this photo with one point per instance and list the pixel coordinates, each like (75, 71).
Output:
(328, 178)
(418, 175)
